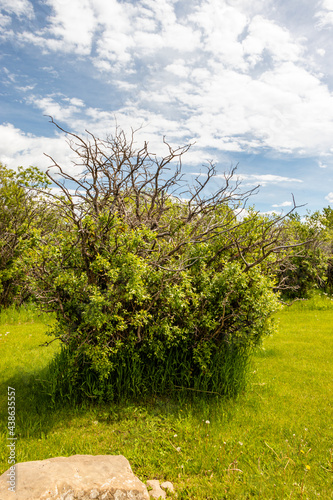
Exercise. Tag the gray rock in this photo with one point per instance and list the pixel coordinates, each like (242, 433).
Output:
(168, 486)
(80, 477)
(156, 491)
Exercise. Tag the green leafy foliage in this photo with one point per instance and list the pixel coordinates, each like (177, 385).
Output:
(307, 267)
(151, 280)
(139, 277)
(19, 215)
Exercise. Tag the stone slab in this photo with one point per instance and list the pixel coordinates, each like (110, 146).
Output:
(79, 477)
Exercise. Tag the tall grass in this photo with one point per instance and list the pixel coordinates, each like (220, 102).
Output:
(317, 302)
(135, 378)
(26, 313)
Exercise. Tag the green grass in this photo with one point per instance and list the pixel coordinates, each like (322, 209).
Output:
(27, 313)
(273, 442)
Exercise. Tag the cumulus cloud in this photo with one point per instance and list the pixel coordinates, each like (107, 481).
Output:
(62, 109)
(73, 23)
(179, 68)
(221, 25)
(20, 149)
(223, 73)
(286, 109)
(265, 36)
(18, 7)
(325, 14)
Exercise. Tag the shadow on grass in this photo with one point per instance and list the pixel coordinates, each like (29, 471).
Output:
(47, 398)
(36, 414)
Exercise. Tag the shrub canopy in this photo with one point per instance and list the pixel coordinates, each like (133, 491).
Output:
(139, 267)
(144, 266)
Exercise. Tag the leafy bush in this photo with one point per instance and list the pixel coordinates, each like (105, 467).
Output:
(307, 268)
(164, 289)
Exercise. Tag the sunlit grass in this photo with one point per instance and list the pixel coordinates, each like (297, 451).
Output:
(27, 313)
(273, 442)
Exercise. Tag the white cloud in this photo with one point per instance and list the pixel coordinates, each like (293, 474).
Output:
(329, 197)
(51, 71)
(75, 102)
(73, 23)
(26, 88)
(265, 179)
(21, 8)
(253, 7)
(220, 71)
(220, 26)
(20, 149)
(73, 27)
(265, 35)
(114, 47)
(178, 68)
(123, 85)
(256, 179)
(122, 30)
(4, 21)
(103, 66)
(284, 204)
(9, 75)
(179, 37)
(325, 16)
(62, 111)
(46, 44)
(286, 108)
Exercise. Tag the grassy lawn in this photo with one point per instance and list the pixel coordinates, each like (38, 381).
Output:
(273, 442)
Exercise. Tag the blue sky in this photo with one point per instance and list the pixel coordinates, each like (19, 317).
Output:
(249, 81)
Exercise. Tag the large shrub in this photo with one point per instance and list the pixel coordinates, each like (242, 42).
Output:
(150, 286)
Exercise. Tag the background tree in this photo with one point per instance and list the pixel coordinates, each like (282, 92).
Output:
(305, 268)
(20, 214)
(327, 222)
